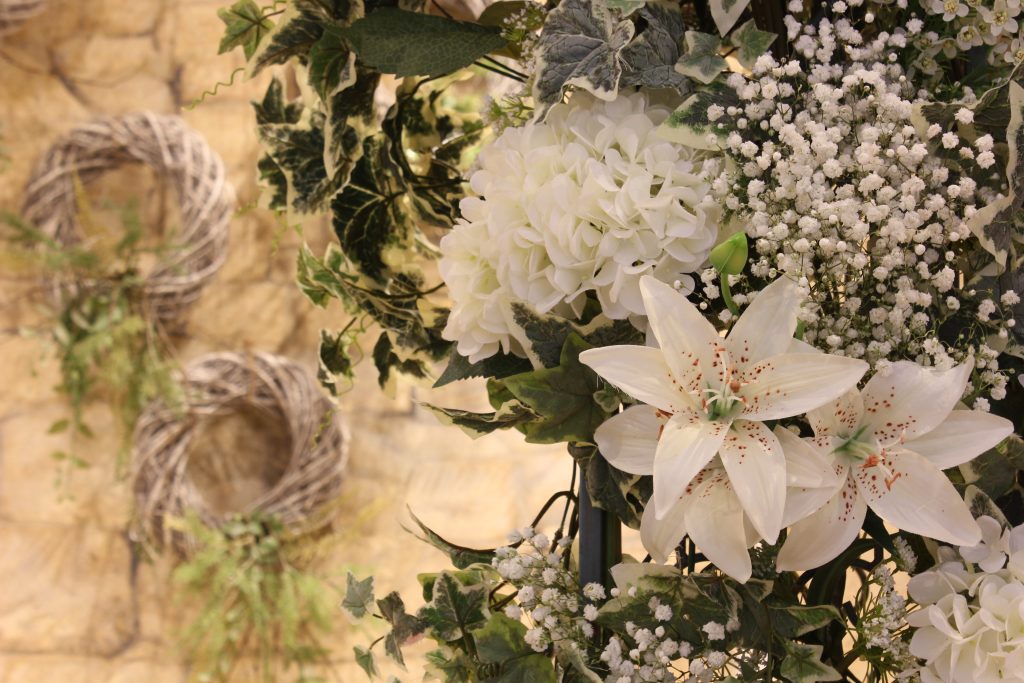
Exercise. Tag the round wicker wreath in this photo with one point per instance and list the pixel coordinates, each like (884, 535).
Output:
(277, 390)
(14, 13)
(172, 149)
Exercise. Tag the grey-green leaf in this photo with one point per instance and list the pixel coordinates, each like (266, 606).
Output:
(405, 43)
(751, 42)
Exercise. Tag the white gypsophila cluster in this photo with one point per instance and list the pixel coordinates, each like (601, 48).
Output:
(548, 593)
(587, 201)
(973, 23)
(838, 189)
(970, 625)
(651, 657)
(882, 625)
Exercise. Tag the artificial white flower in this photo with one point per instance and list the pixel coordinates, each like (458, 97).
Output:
(590, 200)
(970, 628)
(701, 434)
(887, 447)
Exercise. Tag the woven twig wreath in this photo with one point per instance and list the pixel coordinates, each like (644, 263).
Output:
(172, 149)
(219, 384)
(14, 13)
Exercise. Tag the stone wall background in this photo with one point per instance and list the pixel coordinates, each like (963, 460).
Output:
(75, 605)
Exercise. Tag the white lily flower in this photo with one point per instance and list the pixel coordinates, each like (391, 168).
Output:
(887, 447)
(707, 397)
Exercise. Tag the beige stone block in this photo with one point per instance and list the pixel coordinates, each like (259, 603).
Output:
(117, 18)
(73, 590)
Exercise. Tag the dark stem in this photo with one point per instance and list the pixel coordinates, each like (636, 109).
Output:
(600, 535)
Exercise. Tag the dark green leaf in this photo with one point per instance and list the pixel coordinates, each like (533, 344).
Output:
(610, 488)
(689, 124)
(496, 14)
(366, 662)
(460, 556)
(511, 414)
(331, 64)
(412, 44)
(368, 215)
(980, 504)
(649, 60)
(790, 621)
(499, 366)
(245, 25)
(403, 626)
(995, 471)
(803, 664)
(455, 610)
(501, 641)
(562, 397)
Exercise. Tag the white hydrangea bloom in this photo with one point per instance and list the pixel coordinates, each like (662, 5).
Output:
(590, 200)
(970, 627)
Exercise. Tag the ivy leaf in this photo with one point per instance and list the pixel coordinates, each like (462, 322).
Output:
(562, 397)
(980, 504)
(273, 108)
(368, 215)
(547, 333)
(336, 369)
(701, 60)
(358, 596)
(509, 414)
(332, 66)
(294, 34)
(403, 43)
(455, 610)
(995, 471)
(726, 13)
(649, 58)
(790, 621)
(690, 125)
(625, 6)
(803, 664)
(366, 662)
(611, 489)
(580, 45)
(245, 26)
(460, 556)
(497, 366)
(403, 625)
(502, 641)
(751, 42)
(350, 120)
(297, 150)
(996, 225)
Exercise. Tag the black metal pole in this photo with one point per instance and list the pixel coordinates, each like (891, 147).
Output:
(600, 537)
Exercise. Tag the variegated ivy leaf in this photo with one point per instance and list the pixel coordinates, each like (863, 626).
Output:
(580, 45)
(332, 66)
(701, 60)
(245, 25)
(297, 151)
(691, 125)
(997, 225)
(648, 61)
(751, 42)
(299, 28)
(274, 109)
(803, 664)
(370, 214)
(351, 118)
(509, 414)
(726, 13)
(626, 7)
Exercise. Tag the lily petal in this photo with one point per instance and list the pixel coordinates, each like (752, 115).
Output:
(909, 401)
(840, 417)
(962, 436)
(661, 536)
(756, 466)
(629, 440)
(641, 372)
(766, 326)
(793, 383)
(688, 341)
(687, 445)
(812, 479)
(714, 520)
(821, 537)
(913, 494)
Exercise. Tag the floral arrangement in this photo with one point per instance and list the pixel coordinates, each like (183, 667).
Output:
(757, 264)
